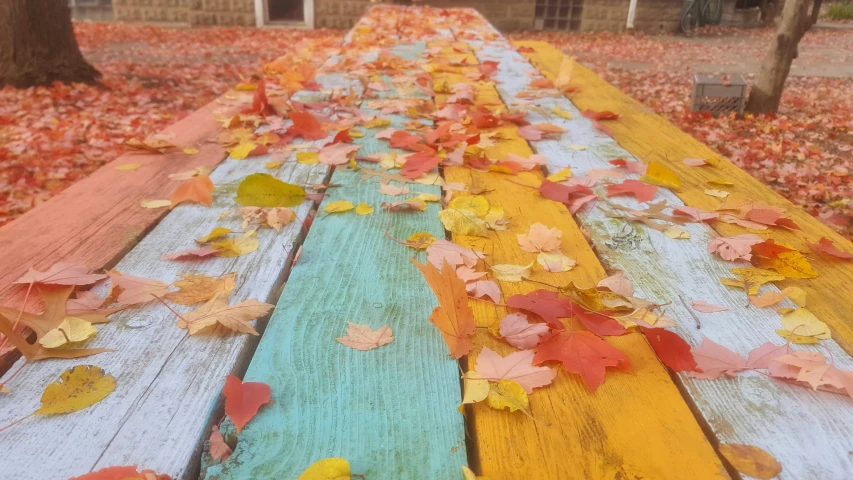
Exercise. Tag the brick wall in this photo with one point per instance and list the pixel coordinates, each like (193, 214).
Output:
(505, 15)
(151, 10)
(196, 12)
(652, 16)
(339, 13)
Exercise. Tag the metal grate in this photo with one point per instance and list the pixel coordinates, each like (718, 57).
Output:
(719, 94)
(558, 14)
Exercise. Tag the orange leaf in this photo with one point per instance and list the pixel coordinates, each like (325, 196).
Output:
(826, 246)
(242, 400)
(582, 353)
(197, 189)
(751, 461)
(453, 317)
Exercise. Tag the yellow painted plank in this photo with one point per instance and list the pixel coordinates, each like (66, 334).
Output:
(634, 426)
(652, 138)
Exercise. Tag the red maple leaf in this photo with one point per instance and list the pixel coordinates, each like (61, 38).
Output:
(419, 163)
(306, 125)
(671, 349)
(769, 249)
(641, 191)
(605, 115)
(544, 303)
(582, 353)
(242, 400)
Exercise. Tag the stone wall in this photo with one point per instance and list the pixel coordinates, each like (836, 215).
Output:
(652, 16)
(196, 12)
(151, 10)
(505, 15)
(338, 13)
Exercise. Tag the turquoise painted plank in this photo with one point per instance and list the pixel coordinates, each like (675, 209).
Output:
(391, 412)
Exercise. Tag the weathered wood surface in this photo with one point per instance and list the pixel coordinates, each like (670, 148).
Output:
(391, 411)
(652, 138)
(98, 219)
(635, 425)
(752, 409)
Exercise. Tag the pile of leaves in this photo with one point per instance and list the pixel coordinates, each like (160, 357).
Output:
(803, 153)
(51, 137)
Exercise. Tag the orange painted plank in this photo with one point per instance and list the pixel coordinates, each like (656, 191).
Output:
(652, 138)
(634, 426)
(98, 219)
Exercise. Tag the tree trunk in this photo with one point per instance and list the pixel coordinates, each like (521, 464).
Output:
(37, 45)
(766, 93)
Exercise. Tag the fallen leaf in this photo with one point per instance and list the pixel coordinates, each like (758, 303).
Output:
(122, 473)
(810, 368)
(511, 273)
(155, 203)
(71, 330)
(582, 353)
(618, 283)
(327, 469)
(338, 206)
(766, 299)
(191, 151)
(217, 232)
(441, 251)
(264, 190)
(705, 307)
(242, 151)
(137, 289)
(797, 339)
(696, 214)
(61, 273)
(574, 197)
(362, 337)
(219, 450)
(677, 233)
(475, 388)
(363, 209)
(734, 248)
(555, 262)
(193, 253)
(803, 322)
(713, 360)
(484, 288)
(387, 189)
(751, 461)
(671, 349)
(507, 395)
(641, 191)
(77, 388)
(791, 264)
(306, 126)
(195, 288)
(516, 366)
(244, 399)
(540, 238)
(561, 175)
(235, 247)
(761, 357)
(453, 317)
(520, 333)
(217, 311)
(476, 204)
(826, 246)
(463, 222)
(657, 174)
(197, 189)
(307, 158)
(545, 304)
(694, 162)
(751, 278)
(128, 167)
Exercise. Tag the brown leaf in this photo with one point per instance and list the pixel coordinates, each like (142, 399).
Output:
(217, 311)
(751, 461)
(197, 189)
(194, 288)
(219, 450)
(362, 337)
(453, 317)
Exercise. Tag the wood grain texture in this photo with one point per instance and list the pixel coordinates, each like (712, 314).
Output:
(99, 218)
(634, 426)
(391, 411)
(652, 138)
(167, 381)
(752, 409)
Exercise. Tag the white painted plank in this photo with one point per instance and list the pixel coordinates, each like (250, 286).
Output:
(810, 433)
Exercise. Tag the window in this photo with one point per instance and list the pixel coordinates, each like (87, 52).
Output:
(558, 14)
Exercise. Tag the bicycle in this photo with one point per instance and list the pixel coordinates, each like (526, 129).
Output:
(700, 12)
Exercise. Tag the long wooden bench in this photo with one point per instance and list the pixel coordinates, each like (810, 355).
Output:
(392, 412)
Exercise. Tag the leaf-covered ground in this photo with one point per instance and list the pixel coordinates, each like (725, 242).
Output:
(52, 137)
(805, 153)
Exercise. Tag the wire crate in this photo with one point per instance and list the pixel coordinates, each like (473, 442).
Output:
(719, 94)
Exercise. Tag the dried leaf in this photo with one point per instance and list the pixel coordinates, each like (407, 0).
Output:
(71, 330)
(826, 246)
(77, 388)
(463, 222)
(705, 307)
(657, 174)
(555, 262)
(751, 460)
(137, 289)
(219, 450)
(244, 399)
(518, 332)
(508, 395)
(264, 190)
(516, 366)
(803, 322)
(61, 273)
(582, 353)
(511, 273)
(217, 311)
(195, 288)
(235, 247)
(540, 238)
(453, 317)
(362, 337)
(197, 189)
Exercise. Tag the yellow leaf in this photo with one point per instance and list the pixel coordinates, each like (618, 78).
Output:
(562, 113)
(717, 193)
(796, 294)
(72, 329)
(657, 174)
(378, 123)
(722, 183)
(476, 204)
(420, 240)
(155, 203)
(564, 75)
(217, 312)
(677, 233)
(803, 322)
(751, 460)
(430, 178)
(509, 395)
(355, 133)
(194, 288)
(246, 243)
(475, 388)
(128, 166)
(338, 206)
(561, 176)
(190, 151)
(751, 278)
(214, 234)
(463, 222)
(240, 152)
(363, 209)
(794, 338)
(426, 197)
(245, 87)
(77, 388)
(307, 158)
(577, 148)
(327, 469)
(511, 273)
(555, 262)
(273, 165)
(495, 218)
(264, 190)
(791, 264)
(468, 474)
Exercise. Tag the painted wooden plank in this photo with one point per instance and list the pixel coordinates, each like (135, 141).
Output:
(99, 218)
(392, 411)
(751, 409)
(652, 138)
(635, 425)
